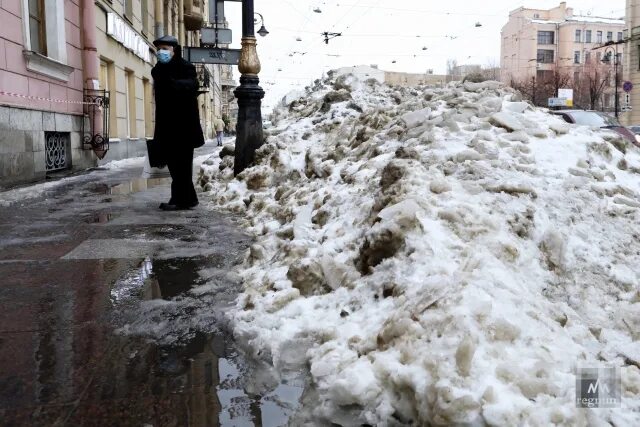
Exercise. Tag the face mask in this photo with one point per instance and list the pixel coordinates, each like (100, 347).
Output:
(163, 56)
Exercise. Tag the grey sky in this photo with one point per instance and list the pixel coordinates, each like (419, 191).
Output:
(381, 32)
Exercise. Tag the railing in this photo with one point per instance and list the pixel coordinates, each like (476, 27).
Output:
(95, 126)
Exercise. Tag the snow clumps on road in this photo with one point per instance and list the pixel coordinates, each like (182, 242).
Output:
(439, 255)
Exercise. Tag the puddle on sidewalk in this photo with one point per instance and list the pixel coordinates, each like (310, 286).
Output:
(99, 218)
(205, 372)
(138, 185)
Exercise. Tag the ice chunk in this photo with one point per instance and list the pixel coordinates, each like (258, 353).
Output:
(415, 118)
(507, 121)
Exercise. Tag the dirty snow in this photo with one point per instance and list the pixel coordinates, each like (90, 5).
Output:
(438, 255)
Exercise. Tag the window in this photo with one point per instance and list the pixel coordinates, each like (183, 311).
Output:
(576, 77)
(131, 104)
(599, 37)
(545, 37)
(145, 16)
(37, 27)
(545, 56)
(578, 36)
(587, 36)
(576, 57)
(544, 75)
(128, 9)
(609, 36)
(587, 57)
(619, 36)
(536, 16)
(147, 106)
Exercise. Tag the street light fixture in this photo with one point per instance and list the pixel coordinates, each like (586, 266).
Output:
(262, 31)
(610, 48)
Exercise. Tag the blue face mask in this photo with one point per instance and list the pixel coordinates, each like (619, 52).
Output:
(163, 56)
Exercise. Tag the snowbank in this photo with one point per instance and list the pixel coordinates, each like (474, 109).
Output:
(439, 256)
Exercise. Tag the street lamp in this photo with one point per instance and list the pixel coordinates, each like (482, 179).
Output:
(249, 125)
(262, 31)
(610, 48)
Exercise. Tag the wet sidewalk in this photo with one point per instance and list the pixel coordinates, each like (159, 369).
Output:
(113, 311)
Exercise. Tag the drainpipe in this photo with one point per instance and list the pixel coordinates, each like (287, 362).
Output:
(181, 22)
(91, 61)
(159, 18)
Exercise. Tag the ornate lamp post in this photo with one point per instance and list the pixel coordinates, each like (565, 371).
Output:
(611, 48)
(249, 93)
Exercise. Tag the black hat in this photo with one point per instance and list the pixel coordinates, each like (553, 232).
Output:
(170, 40)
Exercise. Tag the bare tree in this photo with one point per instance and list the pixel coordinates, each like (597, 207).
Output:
(544, 85)
(491, 70)
(591, 85)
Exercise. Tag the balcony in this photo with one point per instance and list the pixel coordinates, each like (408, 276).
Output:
(204, 78)
(228, 82)
(193, 14)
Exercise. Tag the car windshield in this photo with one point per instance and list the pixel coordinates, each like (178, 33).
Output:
(593, 118)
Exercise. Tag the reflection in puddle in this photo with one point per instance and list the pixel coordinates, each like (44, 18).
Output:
(100, 218)
(138, 185)
(207, 374)
(162, 278)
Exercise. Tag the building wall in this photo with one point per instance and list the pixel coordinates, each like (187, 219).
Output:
(127, 79)
(24, 121)
(413, 79)
(632, 62)
(519, 44)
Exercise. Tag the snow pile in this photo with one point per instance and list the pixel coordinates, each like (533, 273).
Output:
(439, 256)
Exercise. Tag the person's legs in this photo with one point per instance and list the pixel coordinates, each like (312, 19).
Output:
(219, 136)
(183, 193)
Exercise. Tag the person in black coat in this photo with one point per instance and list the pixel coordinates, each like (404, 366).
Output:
(178, 131)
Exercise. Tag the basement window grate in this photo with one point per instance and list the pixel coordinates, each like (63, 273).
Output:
(57, 146)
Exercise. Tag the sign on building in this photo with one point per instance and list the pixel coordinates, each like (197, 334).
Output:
(118, 29)
(212, 55)
(215, 36)
(567, 94)
(559, 102)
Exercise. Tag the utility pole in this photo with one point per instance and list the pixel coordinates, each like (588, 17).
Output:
(611, 48)
(249, 126)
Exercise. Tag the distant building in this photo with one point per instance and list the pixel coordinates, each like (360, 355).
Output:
(393, 77)
(632, 61)
(537, 43)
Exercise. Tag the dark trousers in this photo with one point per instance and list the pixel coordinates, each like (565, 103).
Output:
(180, 165)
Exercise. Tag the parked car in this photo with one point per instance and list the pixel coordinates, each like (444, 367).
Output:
(635, 129)
(597, 119)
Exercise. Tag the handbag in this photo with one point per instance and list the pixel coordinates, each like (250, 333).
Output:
(157, 159)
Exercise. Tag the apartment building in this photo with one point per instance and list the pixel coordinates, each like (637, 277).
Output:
(632, 60)
(75, 80)
(41, 89)
(537, 43)
(126, 30)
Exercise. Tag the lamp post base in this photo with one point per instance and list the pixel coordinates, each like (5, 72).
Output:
(249, 127)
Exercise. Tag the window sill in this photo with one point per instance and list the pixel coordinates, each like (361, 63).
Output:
(49, 67)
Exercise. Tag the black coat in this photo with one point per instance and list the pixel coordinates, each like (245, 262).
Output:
(175, 87)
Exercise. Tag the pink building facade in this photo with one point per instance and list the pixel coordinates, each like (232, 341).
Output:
(41, 89)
